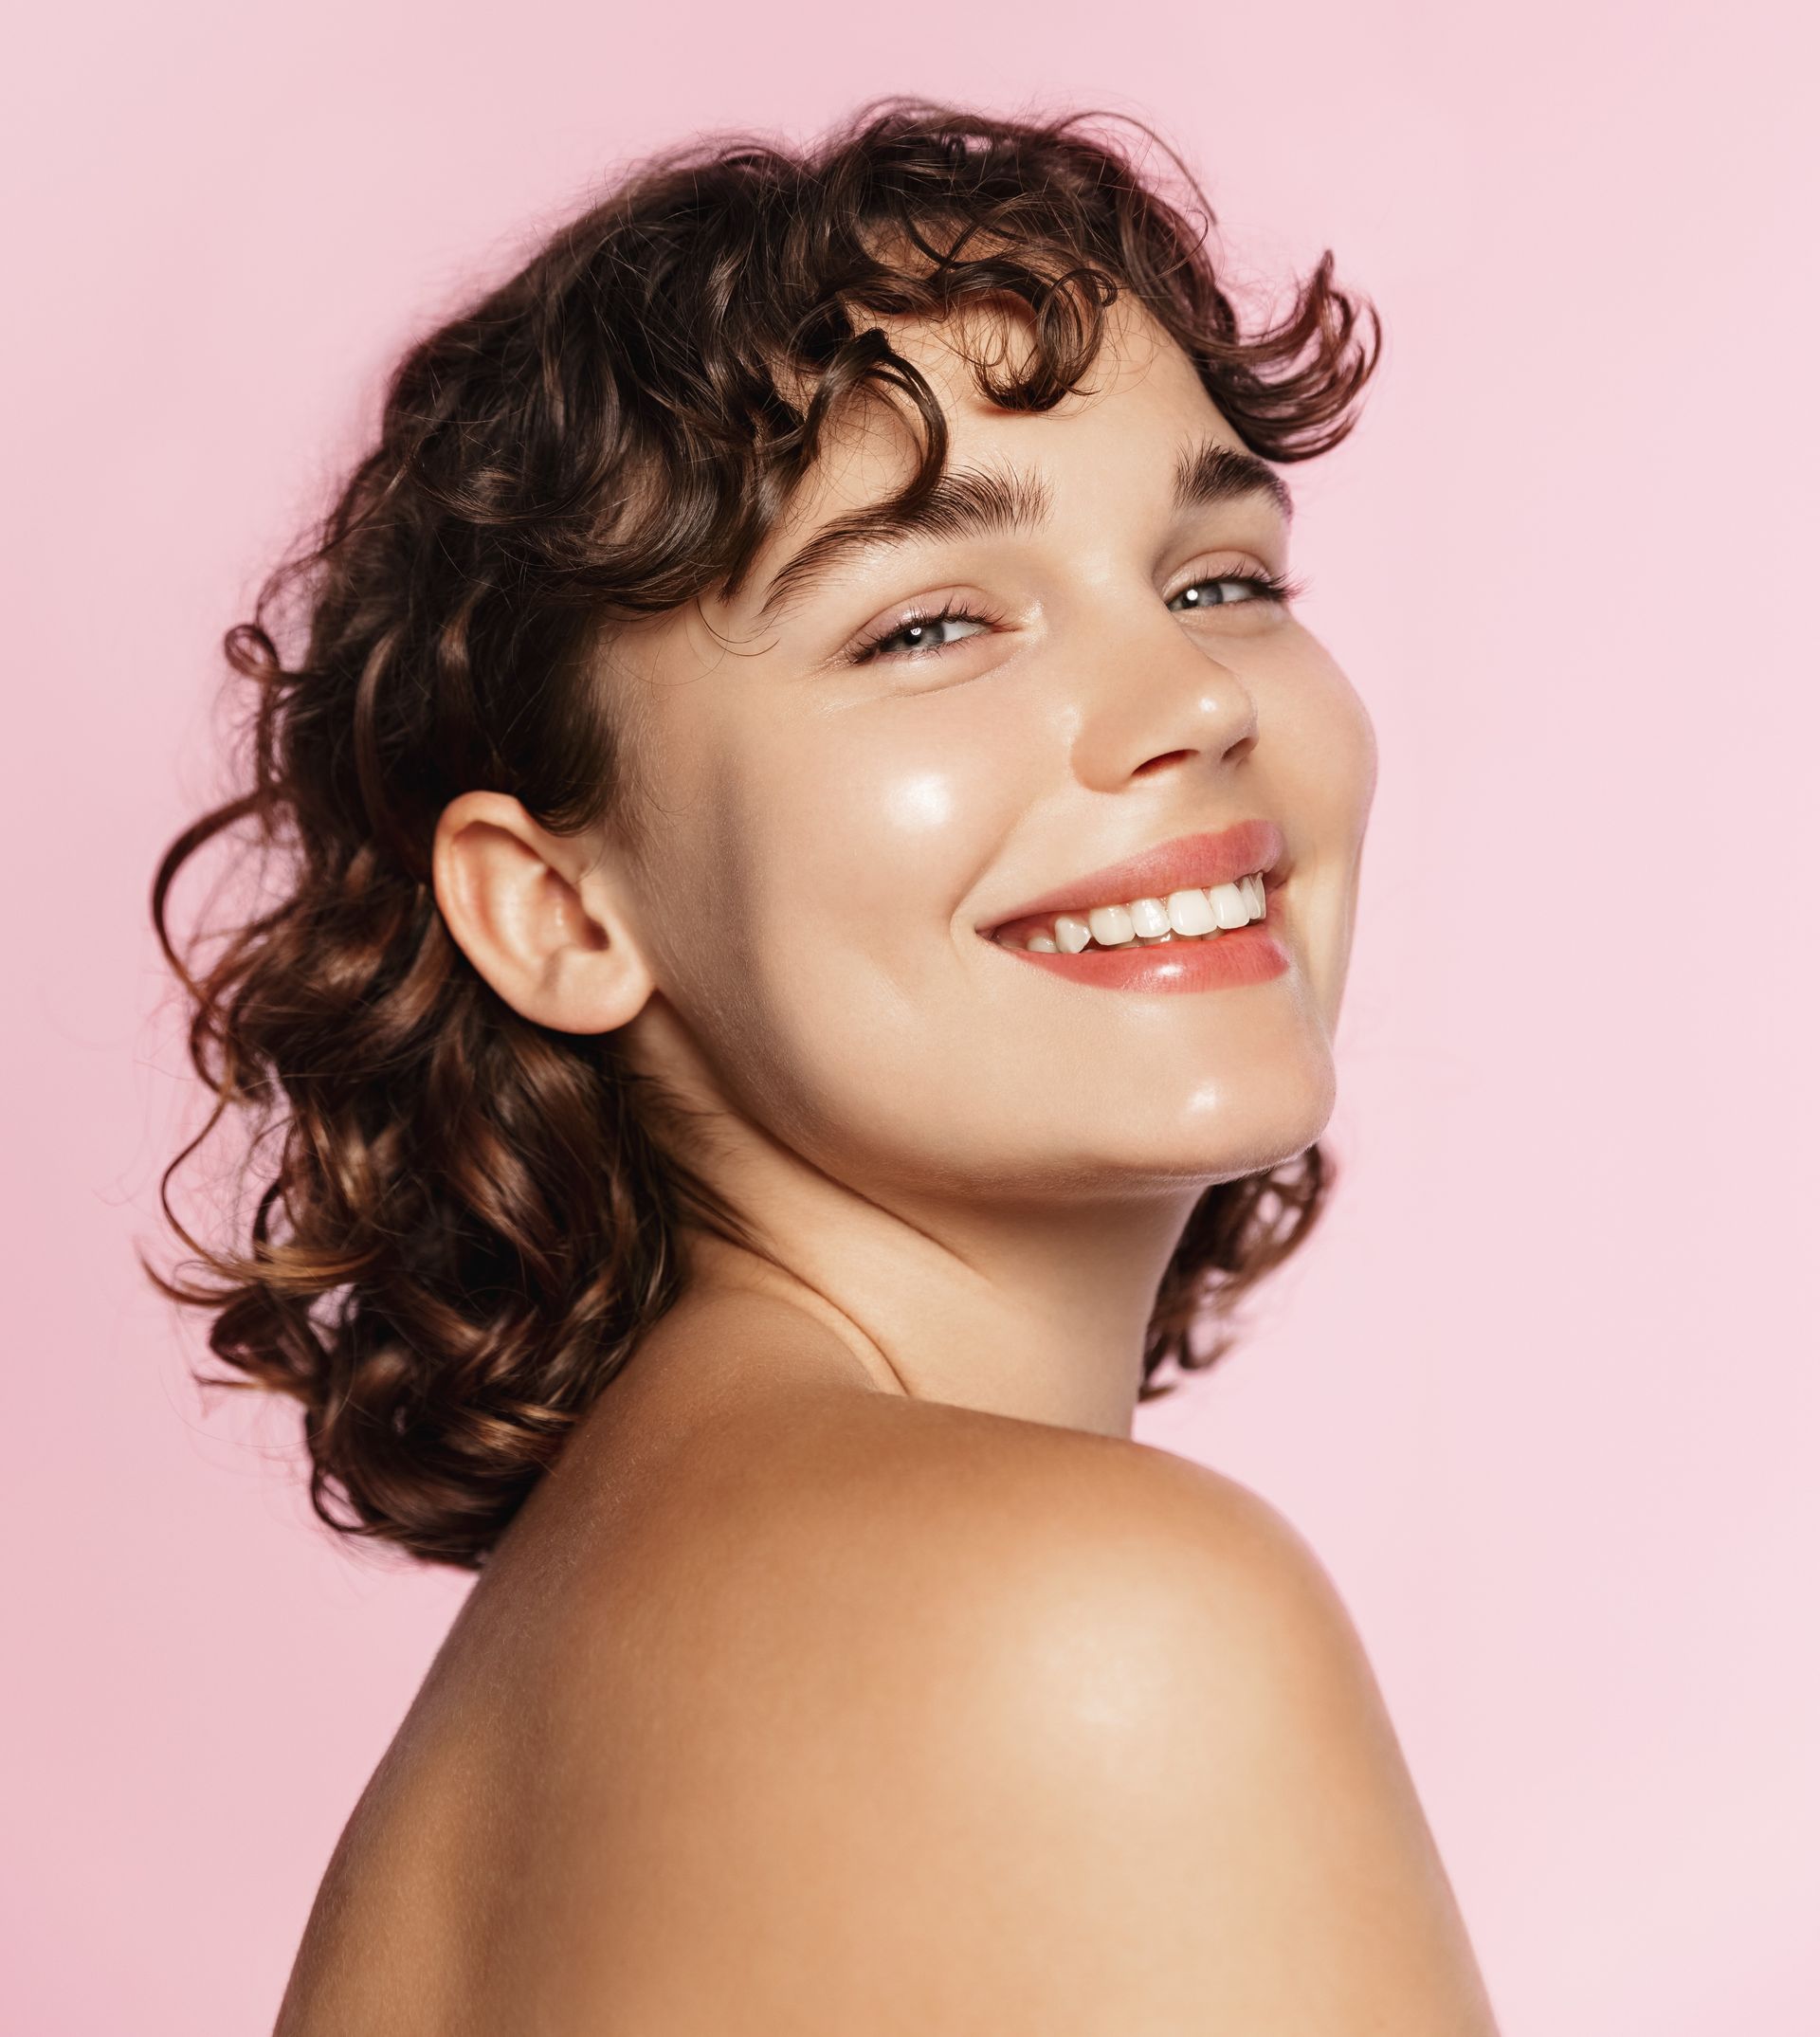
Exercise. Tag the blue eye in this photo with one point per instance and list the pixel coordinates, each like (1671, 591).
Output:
(921, 636)
(1218, 592)
(922, 633)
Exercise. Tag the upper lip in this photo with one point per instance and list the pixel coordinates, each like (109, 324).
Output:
(1191, 861)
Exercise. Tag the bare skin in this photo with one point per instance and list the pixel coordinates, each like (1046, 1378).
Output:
(791, 1705)
(854, 1670)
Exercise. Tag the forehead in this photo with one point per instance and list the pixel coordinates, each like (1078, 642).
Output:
(1141, 401)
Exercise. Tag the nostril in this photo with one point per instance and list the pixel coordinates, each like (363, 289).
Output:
(1168, 756)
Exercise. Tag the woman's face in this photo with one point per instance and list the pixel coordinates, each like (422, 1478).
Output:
(842, 804)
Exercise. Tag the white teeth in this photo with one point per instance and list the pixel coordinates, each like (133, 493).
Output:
(1189, 914)
(1232, 908)
(1111, 925)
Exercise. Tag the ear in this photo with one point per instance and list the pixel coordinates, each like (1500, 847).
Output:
(534, 918)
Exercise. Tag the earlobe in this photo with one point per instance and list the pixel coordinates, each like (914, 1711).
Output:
(537, 924)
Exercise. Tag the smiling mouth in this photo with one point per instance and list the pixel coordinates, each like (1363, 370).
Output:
(1195, 887)
(1191, 915)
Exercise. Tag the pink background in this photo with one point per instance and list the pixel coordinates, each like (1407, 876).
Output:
(1542, 1396)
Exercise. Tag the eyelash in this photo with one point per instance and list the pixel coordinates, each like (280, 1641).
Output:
(1274, 587)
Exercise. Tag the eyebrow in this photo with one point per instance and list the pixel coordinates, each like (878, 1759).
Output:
(971, 503)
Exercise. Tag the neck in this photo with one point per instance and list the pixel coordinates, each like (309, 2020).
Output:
(1038, 1313)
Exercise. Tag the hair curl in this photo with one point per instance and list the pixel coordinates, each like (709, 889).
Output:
(466, 1221)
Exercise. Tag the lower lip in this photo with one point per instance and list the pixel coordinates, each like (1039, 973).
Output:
(1244, 955)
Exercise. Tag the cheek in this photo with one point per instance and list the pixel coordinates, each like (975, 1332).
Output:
(879, 819)
(844, 846)
(1323, 754)
(1323, 772)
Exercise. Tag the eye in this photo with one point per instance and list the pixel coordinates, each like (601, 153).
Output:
(1232, 587)
(919, 634)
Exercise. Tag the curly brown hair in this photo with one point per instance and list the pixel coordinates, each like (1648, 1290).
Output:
(466, 1221)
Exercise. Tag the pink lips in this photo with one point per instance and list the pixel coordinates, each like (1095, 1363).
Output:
(1251, 954)
(1188, 862)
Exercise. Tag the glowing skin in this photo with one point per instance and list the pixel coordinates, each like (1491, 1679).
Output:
(974, 1173)
(809, 1693)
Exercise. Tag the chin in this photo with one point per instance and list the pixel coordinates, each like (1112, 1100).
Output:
(1239, 1121)
(1257, 1118)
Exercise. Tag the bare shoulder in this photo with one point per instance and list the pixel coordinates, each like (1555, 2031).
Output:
(972, 1723)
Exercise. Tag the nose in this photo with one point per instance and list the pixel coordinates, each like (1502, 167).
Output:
(1151, 699)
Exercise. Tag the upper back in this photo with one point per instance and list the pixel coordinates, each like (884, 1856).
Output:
(870, 1715)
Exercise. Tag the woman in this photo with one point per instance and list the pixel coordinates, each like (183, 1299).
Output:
(816, 869)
